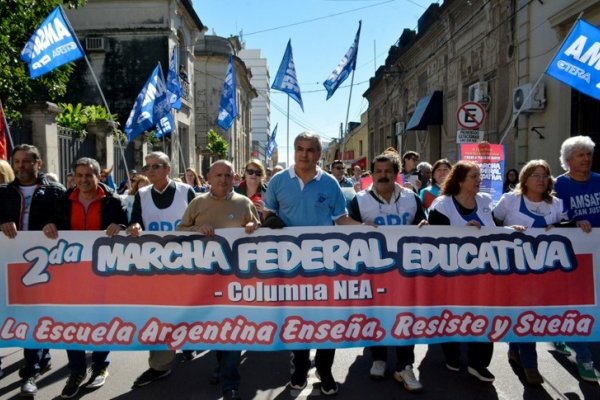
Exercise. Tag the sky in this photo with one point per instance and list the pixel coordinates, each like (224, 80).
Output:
(321, 32)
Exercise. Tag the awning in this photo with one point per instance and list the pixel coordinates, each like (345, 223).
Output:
(361, 162)
(429, 111)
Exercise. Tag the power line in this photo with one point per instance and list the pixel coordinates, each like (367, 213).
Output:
(317, 19)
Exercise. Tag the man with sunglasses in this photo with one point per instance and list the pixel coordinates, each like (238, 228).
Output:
(337, 170)
(388, 203)
(158, 207)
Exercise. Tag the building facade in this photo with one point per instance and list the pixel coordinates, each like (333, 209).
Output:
(491, 53)
(211, 55)
(261, 105)
(125, 39)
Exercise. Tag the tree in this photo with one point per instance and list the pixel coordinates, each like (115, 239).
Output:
(18, 21)
(216, 144)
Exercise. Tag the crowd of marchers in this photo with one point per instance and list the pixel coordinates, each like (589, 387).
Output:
(398, 190)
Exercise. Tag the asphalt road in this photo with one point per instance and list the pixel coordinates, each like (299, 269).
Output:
(265, 375)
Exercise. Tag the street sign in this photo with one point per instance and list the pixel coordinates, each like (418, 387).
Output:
(470, 115)
(469, 136)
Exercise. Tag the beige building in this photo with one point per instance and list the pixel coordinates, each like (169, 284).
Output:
(493, 54)
(355, 146)
(125, 39)
(211, 58)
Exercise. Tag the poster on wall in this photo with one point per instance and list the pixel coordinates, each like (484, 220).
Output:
(490, 158)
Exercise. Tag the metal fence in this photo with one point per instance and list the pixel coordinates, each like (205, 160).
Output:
(20, 134)
(71, 147)
(119, 169)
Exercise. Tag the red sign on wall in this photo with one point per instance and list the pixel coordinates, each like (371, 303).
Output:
(348, 155)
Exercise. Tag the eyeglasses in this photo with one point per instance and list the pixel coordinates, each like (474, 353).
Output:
(254, 172)
(152, 166)
(338, 167)
(540, 176)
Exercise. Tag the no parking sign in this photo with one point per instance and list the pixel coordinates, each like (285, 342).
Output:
(470, 115)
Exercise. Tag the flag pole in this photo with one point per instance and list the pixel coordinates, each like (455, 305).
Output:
(347, 115)
(101, 94)
(516, 115)
(12, 144)
(288, 132)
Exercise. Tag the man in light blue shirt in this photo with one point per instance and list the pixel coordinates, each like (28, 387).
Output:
(304, 195)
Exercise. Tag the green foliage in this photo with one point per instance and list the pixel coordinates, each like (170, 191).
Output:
(18, 21)
(98, 113)
(72, 117)
(216, 144)
(77, 117)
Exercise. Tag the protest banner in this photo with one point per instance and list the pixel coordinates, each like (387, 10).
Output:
(490, 158)
(298, 287)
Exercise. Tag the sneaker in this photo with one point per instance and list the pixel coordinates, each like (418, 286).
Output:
(43, 369)
(452, 366)
(189, 355)
(232, 395)
(377, 371)
(72, 386)
(329, 386)
(481, 373)
(97, 379)
(533, 376)
(562, 348)
(587, 371)
(513, 357)
(149, 376)
(29, 387)
(297, 381)
(408, 378)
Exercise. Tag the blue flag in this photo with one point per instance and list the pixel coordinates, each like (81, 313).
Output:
(228, 105)
(173, 85)
(346, 65)
(577, 63)
(285, 80)
(164, 126)
(272, 143)
(150, 106)
(53, 44)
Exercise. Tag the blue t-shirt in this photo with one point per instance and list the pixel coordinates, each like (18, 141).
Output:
(317, 203)
(581, 199)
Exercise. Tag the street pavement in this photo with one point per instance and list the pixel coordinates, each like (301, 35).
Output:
(265, 375)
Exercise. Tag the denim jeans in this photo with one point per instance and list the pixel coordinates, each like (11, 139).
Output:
(35, 360)
(583, 354)
(78, 363)
(405, 355)
(229, 369)
(323, 361)
(526, 352)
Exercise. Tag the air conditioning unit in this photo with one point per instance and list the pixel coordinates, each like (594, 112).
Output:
(400, 128)
(95, 44)
(528, 101)
(478, 92)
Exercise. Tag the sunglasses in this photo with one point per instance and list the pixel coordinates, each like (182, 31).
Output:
(254, 172)
(152, 166)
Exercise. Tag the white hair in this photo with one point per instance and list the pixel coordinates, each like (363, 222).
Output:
(573, 144)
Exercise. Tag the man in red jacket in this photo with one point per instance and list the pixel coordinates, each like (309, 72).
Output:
(89, 206)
